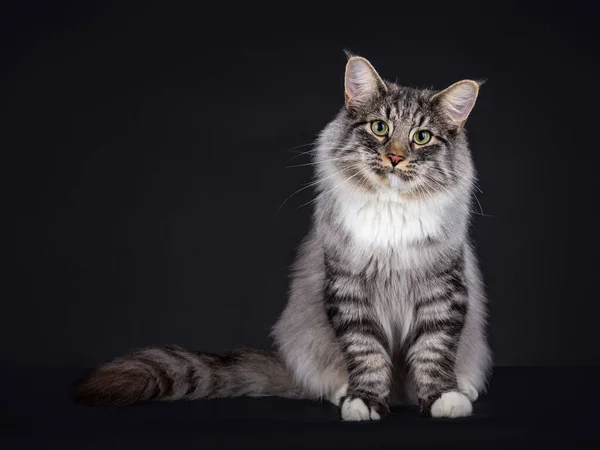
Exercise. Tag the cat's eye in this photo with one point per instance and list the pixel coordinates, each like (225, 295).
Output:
(421, 137)
(379, 127)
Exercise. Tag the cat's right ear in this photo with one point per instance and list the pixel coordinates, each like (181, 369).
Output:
(362, 82)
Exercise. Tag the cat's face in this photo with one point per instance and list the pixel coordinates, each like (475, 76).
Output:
(402, 138)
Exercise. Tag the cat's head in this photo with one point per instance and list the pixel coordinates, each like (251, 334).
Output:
(398, 138)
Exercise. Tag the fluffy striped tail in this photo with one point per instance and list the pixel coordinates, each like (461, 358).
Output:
(172, 373)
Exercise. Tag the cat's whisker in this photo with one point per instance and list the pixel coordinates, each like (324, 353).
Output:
(331, 191)
(362, 178)
(452, 196)
(312, 151)
(315, 152)
(480, 208)
(473, 183)
(481, 213)
(303, 188)
(421, 194)
(458, 175)
(313, 183)
(316, 163)
(335, 188)
(299, 154)
(292, 150)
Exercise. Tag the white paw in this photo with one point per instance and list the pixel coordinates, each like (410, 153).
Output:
(468, 389)
(451, 404)
(355, 409)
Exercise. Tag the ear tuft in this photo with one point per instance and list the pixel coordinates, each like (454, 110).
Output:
(457, 101)
(348, 53)
(362, 82)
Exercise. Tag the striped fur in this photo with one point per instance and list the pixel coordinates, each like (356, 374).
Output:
(386, 301)
(172, 373)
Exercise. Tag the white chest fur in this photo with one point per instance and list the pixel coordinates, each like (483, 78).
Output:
(387, 220)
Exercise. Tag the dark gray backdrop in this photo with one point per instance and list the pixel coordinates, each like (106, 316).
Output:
(146, 152)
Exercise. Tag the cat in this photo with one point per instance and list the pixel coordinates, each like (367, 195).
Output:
(386, 303)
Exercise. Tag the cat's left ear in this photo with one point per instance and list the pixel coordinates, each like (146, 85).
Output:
(362, 82)
(457, 101)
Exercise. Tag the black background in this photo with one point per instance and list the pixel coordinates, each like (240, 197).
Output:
(145, 150)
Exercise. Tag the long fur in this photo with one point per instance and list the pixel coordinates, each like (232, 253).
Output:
(386, 302)
(172, 373)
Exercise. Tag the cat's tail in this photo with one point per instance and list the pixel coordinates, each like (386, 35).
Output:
(172, 373)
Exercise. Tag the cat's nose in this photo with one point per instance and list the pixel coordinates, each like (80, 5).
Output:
(395, 159)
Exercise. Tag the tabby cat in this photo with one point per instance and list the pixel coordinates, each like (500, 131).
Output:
(386, 303)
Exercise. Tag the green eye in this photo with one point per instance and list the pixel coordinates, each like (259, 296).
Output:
(379, 127)
(422, 137)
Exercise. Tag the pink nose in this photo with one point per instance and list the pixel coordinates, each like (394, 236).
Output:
(395, 159)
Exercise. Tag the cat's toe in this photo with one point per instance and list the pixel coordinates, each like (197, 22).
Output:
(355, 409)
(452, 404)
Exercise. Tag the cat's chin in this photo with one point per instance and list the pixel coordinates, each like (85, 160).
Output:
(396, 181)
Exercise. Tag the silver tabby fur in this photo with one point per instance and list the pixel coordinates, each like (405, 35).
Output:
(386, 302)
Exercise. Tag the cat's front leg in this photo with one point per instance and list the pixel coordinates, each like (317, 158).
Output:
(363, 343)
(439, 321)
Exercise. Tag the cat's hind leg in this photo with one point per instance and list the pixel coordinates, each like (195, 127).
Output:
(473, 360)
(473, 355)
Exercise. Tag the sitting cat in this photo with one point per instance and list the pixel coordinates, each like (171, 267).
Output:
(386, 302)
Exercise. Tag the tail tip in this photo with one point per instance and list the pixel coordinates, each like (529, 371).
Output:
(103, 387)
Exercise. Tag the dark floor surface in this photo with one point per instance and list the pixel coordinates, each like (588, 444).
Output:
(525, 408)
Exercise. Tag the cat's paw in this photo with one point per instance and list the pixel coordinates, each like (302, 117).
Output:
(355, 408)
(452, 404)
